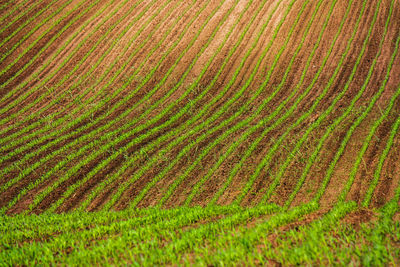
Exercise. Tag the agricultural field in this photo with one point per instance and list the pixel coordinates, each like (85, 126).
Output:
(199, 132)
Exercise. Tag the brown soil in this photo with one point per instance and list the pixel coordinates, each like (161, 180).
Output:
(69, 81)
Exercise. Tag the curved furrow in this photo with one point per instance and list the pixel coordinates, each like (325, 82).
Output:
(367, 141)
(120, 151)
(11, 12)
(80, 121)
(13, 31)
(47, 112)
(13, 96)
(38, 141)
(198, 115)
(266, 160)
(353, 127)
(173, 132)
(378, 170)
(49, 87)
(327, 112)
(245, 135)
(265, 119)
(166, 137)
(74, 142)
(4, 6)
(243, 123)
(6, 65)
(386, 185)
(294, 92)
(77, 167)
(28, 72)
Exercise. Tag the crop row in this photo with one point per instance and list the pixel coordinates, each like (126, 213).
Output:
(38, 141)
(75, 141)
(134, 229)
(252, 147)
(149, 76)
(60, 83)
(165, 137)
(11, 12)
(191, 121)
(237, 127)
(338, 120)
(349, 133)
(112, 157)
(24, 24)
(33, 30)
(64, 120)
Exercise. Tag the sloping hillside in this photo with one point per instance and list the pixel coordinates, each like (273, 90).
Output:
(277, 117)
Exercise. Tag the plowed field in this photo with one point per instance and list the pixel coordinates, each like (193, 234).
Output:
(231, 132)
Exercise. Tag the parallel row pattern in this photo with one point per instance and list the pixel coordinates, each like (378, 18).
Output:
(113, 104)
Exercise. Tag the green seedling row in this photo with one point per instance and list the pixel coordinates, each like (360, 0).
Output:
(267, 159)
(317, 123)
(105, 162)
(231, 130)
(116, 175)
(382, 158)
(349, 133)
(76, 141)
(36, 142)
(10, 12)
(47, 63)
(252, 179)
(92, 156)
(31, 7)
(51, 90)
(33, 30)
(65, 119)
(188, 123)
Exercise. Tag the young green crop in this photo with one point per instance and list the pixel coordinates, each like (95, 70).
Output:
(17, 17)
(45, 227)
(48, 77)
(33, 30)
(349, 133)
(140, 228)
(116, 141)
(47, 63)
(145, 247)
(368, 139)
(264, 104)
(252, 179)
(327, 111)
(267, 158)
(14, 142)
(116, 175)
(194, 118)
(305, 244)
(78, 121)
(237, 127)
(37, 141)
(61, 82)
(224, 234)
(5, 5)
(60, 151)
(44, 48)
(382, 158)
(112, 157)
(16, 31)
(64, 120)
